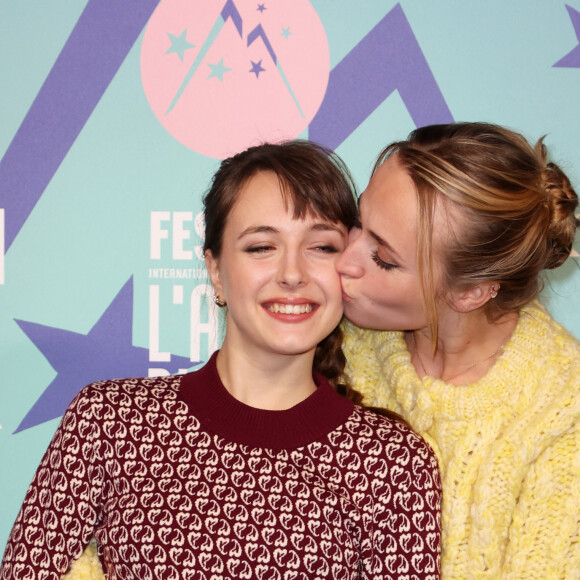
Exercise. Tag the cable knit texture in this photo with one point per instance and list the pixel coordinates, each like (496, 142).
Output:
(177, 479)
(88, 566)
(508, 446)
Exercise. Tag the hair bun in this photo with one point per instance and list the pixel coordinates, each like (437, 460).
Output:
(562, 201)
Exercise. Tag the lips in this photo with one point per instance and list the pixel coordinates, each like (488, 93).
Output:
(281, 308)
(291, 311)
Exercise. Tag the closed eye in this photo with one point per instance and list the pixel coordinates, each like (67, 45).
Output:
(381, 263)
(262, 249)
(328, 249)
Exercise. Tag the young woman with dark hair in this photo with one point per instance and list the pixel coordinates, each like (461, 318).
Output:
(253, 466)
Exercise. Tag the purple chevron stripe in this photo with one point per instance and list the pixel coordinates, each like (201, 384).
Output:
(387, 59)
(96, 48)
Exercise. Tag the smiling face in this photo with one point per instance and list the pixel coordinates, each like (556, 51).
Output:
(277, 274)
(379, 268)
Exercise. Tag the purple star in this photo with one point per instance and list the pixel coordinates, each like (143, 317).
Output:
(572, 59)
(261, 7)
(78, 359)
(256, 68)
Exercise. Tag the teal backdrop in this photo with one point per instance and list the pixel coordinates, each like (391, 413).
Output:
(114, 115)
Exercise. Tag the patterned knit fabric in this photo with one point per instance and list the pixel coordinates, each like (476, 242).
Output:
(177, 479)
(508, 447)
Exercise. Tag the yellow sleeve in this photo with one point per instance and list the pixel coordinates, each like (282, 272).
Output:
(363, 368)
(544, 538)
(87, 567)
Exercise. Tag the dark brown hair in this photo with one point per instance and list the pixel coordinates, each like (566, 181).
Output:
(313, 181)
(512, 210)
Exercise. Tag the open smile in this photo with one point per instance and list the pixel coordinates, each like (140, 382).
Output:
(290, 311)
(277, 307)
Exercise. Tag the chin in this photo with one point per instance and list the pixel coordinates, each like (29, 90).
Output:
(292, 352)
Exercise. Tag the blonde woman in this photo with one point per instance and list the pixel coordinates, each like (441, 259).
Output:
(456, 226)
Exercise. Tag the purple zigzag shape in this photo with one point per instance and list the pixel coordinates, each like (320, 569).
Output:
(572, 59)
(230, 10)
(105, 352)
(100, 41)
(259, 32)
(387, 59)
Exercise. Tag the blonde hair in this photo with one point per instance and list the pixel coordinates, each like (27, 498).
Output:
(512, 210)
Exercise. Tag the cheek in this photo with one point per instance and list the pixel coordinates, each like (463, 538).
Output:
(389, 291)
(328, 279)
(378, 286)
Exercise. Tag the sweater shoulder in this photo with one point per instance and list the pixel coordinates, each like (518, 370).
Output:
(152, 387)
(385, 427)
(551, 352)
(538, 324)
(396, 442)
(114, 398)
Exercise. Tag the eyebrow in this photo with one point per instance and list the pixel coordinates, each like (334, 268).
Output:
(257, 230)
(317, 227)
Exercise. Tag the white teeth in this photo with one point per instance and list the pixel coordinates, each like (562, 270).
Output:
(290, 308)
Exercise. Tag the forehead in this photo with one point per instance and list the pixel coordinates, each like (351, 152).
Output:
(390, 198)
(262, 201)
(389, 211)
(261, 196)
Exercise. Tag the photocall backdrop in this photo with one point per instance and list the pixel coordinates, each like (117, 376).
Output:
(114, 116)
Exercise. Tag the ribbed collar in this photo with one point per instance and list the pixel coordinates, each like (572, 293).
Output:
(221, 414)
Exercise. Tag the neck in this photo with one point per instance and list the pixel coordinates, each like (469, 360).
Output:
(265, 380)
(467, 346)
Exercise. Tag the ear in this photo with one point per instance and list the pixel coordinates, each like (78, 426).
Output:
(474, 297)
(212, 266)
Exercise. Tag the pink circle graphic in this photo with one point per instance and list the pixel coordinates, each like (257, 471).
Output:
(221, 76)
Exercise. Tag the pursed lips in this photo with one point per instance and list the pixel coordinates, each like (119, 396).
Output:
(345, 296)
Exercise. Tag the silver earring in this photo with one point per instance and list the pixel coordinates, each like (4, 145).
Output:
(492, 291)
(219, 302)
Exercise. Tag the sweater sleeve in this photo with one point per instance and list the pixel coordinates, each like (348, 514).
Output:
(544, 537)
(407, 535)
(61, 507)
(363, 366)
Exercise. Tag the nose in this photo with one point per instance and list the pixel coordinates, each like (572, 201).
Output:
(350, 262)
(292, 271)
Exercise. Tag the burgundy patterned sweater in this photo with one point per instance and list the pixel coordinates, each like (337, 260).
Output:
(177, 479)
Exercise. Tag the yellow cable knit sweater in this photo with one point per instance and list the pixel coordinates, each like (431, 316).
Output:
(508, 446)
